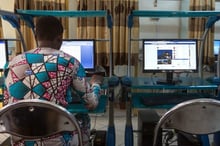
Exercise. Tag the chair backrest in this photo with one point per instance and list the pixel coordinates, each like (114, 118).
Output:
(35, 119)
(198, 116)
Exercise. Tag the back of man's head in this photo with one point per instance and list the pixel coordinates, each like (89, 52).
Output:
(48, 28)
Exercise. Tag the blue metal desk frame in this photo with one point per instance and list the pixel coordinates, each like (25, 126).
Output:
(186, 84)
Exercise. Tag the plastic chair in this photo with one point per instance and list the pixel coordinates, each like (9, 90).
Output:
(198, 117)
(36, 120)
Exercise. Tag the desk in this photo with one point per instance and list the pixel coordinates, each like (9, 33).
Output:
(186, 83)
(142, 86)
(80, 108)
(101, 108)
(147, 86)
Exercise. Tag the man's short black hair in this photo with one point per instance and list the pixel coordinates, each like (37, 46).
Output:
(48, 28)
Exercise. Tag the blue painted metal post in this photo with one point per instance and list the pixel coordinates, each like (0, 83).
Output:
(126, 86)
(112, 82)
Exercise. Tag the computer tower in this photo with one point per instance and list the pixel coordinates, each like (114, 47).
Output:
(185, 139)
(100, 138)
(147, 120)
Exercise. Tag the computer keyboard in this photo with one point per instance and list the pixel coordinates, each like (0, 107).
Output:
(171, 98)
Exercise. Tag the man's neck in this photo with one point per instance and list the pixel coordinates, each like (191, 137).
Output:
(48, 44)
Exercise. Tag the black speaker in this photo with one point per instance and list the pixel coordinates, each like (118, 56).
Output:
(147, 120)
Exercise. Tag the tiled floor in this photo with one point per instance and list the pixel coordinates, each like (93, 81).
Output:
(100, 122)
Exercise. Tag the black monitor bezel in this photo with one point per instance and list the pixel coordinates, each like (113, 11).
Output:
(165, 71)
(94, 51)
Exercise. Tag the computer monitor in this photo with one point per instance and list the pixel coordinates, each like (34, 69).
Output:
(170, 55)
(216, 47)
(3, 53)
(82, 49)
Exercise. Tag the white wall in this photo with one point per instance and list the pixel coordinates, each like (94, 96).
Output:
(163, 27)
(168, 27)
(217, 24)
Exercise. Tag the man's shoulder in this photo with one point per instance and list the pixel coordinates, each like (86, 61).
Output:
(65, 55)
(18, 58)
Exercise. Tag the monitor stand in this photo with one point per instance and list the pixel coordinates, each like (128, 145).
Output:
(169, 80)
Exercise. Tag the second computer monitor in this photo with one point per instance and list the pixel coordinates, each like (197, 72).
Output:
(82, 49)
(169, 56)
(175, 55)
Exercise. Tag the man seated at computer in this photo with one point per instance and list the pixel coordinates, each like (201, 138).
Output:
(48, 74)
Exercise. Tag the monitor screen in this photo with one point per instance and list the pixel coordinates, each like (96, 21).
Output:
(216, 47)
(3, 53)
(170, 55)
(83, 50)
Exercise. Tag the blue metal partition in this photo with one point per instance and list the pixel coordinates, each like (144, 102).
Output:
(213, 17)
(28, 15)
